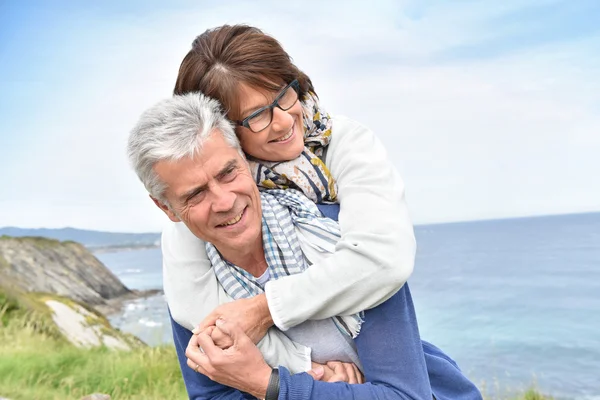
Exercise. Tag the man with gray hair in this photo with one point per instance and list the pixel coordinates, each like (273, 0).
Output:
(187, 156)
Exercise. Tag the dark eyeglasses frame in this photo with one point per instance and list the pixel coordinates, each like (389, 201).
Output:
(246, 121)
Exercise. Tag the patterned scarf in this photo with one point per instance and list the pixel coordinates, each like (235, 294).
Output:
(308, 171)
(285, 213)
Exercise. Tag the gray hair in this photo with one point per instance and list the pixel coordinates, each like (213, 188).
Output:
(173, 129)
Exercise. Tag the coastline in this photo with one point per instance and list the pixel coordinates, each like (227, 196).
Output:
(115, 305)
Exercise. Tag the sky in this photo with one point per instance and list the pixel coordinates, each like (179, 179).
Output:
(488, 109)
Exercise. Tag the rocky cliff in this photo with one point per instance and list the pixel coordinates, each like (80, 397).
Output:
(35, 264)
(59, 288)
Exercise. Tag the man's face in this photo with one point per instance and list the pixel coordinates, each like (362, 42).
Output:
(214, 195)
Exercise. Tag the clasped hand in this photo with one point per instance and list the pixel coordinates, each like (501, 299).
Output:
(251, 315)
(226, 354)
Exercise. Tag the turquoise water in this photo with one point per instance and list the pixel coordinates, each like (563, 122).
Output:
(513, 301)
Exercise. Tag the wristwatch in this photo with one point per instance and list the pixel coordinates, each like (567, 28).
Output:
(273, 387)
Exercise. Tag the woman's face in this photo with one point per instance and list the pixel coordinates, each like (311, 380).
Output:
(283, 139)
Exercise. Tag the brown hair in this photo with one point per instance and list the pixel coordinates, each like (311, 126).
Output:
(221, 58)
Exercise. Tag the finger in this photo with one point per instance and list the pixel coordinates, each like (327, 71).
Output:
(339, 372)
(316, 373)
(209, 331)
(197, 366)
(193, 351)
(359, 375)
(207, 345)
(328, 373)
(221, 339)
(351, 373)
(192, 347)
(231, 329)
(337, 367)
(217, 333)
(206, 322)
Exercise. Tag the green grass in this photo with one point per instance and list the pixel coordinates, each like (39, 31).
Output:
(531, 394)
(36, 362)
(500, 392)
(37, 366)
(38, 241)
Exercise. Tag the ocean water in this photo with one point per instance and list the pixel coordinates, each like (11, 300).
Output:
(515, 302)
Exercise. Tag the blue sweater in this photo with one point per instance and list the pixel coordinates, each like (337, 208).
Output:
(397, 364)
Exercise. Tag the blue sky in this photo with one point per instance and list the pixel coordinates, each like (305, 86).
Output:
(488, 109)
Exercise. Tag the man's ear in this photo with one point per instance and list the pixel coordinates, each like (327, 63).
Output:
(166, 209)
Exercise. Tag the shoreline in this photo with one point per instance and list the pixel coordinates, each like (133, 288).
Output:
(116, 249)
(115, 305)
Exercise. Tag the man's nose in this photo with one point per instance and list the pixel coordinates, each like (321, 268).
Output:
(282, 120)
(222, 199)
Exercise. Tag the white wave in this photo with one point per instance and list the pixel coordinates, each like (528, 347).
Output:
(131, 271)
(149, 323)
(135, 306)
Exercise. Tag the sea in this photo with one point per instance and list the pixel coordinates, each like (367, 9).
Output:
(515, 302)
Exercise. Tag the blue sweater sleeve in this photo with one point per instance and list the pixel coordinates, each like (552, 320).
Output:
(198, 386)
(389, 347)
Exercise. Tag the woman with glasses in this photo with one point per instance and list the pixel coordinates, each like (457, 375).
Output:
(292, 142)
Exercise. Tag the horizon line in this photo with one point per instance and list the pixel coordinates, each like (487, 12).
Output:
(415, 225)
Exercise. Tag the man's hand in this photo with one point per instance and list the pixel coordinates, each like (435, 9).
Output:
(219, 338)
(251, 315)
(336, 371)
(240, 366)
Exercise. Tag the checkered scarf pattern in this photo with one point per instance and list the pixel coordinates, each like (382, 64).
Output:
(286, 213)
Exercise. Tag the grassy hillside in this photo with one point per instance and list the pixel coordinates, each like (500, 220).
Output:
(36, 362)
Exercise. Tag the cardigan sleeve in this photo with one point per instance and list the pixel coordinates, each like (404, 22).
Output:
(375, 255)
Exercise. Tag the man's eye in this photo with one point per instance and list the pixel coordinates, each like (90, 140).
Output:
(229, 174)
(196, 197)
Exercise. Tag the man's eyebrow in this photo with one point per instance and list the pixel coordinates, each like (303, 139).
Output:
(185, 197)
(231, 164)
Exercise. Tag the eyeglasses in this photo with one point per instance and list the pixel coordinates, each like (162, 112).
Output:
(261, 118)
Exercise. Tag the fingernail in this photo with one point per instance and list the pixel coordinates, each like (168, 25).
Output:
(196, 330)
(319, 370)
(219, 322)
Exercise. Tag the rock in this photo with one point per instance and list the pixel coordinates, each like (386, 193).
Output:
(83, 328)
(95, 396)
(67, 269)
(65, 287)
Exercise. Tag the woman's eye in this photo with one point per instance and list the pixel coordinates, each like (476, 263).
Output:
(260, 116)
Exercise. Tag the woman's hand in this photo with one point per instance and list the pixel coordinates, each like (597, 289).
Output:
(240, 366)
(251, 315)
(336, 371)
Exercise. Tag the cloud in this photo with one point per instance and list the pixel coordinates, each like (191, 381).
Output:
(513, 132)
